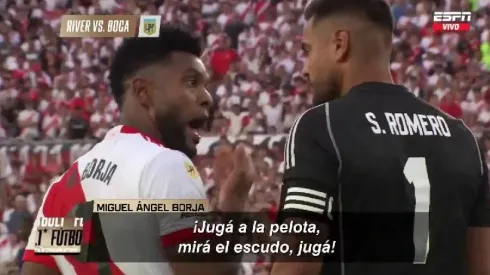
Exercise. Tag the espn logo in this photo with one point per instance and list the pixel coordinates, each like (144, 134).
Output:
(451, 21)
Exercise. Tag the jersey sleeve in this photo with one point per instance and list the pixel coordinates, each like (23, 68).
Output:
(481, 210)
(171, 175)
(310, 168)
(29, 255)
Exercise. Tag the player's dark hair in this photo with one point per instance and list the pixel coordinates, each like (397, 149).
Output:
(376, 11)
(136, 53)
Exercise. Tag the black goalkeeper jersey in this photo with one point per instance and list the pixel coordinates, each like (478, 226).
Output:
(397, 181)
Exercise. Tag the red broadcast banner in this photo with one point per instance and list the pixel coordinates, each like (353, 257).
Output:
(451, 27)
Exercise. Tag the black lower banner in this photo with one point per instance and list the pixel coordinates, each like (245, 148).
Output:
(245, 237)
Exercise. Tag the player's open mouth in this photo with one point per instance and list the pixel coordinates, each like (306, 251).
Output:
(194, 126)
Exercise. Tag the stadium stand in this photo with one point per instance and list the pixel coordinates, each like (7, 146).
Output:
(55, 102)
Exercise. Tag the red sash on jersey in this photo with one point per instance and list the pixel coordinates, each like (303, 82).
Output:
(260, 8)
(58, 203)
(247, 10)
(54, 123)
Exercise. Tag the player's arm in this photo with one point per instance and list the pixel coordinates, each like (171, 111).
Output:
(167, 177)
(39, 264)
(310, 184)
(479, 230)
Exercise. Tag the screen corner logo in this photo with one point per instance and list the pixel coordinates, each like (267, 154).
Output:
(451, 21)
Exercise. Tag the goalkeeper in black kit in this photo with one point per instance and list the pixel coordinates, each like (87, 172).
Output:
(399, 185)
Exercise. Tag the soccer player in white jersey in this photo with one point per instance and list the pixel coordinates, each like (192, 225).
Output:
(159, 84)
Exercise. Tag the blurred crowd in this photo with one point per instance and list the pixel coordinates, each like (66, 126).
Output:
(55, 101)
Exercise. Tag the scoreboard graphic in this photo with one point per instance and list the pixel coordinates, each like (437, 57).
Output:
(58, 235)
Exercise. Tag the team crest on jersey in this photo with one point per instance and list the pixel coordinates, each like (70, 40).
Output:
(191, 170)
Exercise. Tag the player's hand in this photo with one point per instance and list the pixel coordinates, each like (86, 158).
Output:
(235, 190)
(243, 171)
(223, 164)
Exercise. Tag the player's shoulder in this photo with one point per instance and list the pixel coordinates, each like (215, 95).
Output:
(168, 160)
(138, 153)
(131, 153)
(311, 119)
(170, 172)
(459, 133)
(312, 126)
(456, 125)
(140, 147)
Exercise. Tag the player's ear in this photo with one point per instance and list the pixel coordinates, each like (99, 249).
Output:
(341, 40)
(142, 92)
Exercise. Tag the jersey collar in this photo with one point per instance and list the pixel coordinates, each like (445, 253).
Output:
(128, 130)
(377, 87)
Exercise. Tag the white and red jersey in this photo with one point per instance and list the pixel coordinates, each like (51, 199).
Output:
(125, 165)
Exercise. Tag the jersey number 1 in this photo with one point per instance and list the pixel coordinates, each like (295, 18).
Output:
(415, 172)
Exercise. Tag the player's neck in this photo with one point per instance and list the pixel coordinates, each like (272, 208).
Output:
(366, 73)
(144, 129)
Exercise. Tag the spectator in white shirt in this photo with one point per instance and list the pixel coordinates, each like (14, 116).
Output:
(100, 121)
(28, 121)
(51, 122)
(226, 14)
(273, 114)
(290, 114)
(8, 248)
(471, 106)
(235, 118)
(484, 116)
(254, 120)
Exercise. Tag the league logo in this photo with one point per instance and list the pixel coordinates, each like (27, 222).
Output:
(149, 26)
